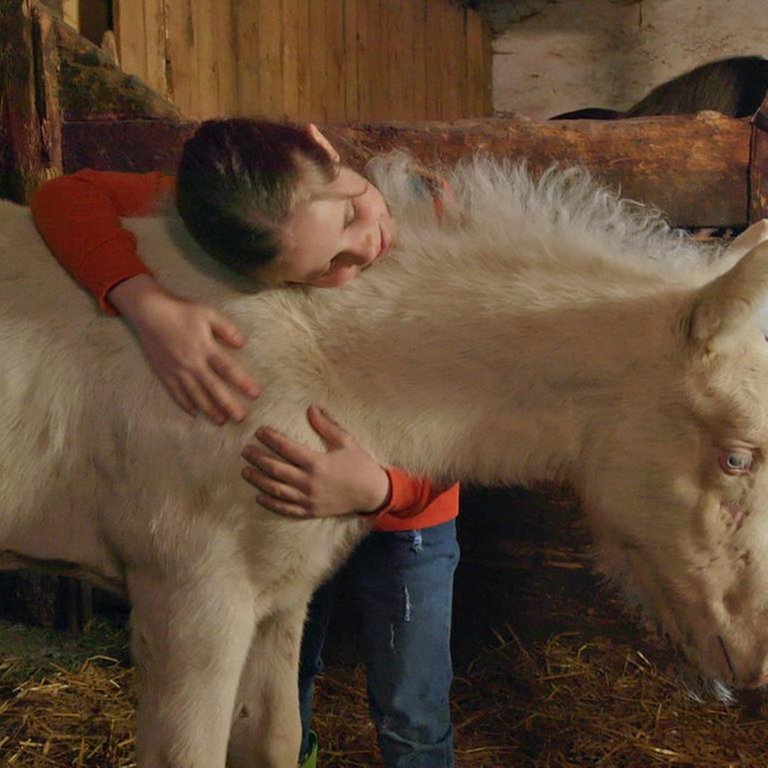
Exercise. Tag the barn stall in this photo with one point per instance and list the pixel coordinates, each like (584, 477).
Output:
(546, 673)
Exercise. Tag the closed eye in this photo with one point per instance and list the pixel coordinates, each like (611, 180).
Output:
(351, 214)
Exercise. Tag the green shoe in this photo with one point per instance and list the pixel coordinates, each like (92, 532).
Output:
(310, 761)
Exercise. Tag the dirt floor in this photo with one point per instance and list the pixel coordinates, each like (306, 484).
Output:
(550, 670)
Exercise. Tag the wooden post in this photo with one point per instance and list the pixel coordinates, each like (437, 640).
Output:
(30, 125)
(758, 164)
(30, 137)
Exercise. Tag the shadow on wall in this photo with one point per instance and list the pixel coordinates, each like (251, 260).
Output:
(735, 87)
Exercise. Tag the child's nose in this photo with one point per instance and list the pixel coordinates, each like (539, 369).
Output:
(368, 247)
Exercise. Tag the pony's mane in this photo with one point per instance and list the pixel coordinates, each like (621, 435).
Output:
(564, 214)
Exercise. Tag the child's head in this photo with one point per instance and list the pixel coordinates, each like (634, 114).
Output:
(272, 200)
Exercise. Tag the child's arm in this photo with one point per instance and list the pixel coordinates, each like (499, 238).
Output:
(298, 482)
(182, 341)
(79, 218)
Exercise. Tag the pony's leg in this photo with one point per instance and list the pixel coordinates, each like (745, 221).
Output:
(190, 639)
(266, 731)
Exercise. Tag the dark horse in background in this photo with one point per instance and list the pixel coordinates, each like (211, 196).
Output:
(734, 87)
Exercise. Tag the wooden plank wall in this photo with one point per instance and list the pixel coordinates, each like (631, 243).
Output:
(323, 60)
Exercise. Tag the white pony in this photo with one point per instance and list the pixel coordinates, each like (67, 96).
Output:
(548, 330)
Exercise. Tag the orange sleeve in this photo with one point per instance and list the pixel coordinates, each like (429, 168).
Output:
(408, 495)
(79, 218)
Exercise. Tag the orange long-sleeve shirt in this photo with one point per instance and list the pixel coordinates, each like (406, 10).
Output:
(79, 218)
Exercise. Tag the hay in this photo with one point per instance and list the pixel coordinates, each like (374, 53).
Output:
(550, 673)
(570, 701)
(81, 717)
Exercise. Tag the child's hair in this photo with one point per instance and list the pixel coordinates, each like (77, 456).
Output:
(240, 179)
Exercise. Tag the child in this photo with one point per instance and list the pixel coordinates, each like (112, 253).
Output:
(272, 201)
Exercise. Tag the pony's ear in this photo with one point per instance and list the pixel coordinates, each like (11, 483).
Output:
(723, 308)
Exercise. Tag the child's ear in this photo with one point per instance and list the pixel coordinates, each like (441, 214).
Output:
(318, 138)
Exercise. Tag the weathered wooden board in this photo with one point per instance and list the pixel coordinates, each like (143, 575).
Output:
(310, 59)
(29, 109)
(758, 164)
(695, 168)
(91, 87)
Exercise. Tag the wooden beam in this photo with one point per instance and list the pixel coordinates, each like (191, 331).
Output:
(124, 145)
(695, 168)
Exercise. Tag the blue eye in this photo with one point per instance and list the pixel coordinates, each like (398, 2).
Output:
(736, 461)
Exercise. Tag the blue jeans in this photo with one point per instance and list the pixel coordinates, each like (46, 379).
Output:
(404, 581)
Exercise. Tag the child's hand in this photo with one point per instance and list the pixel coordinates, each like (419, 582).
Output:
(183, 343)
(300, 482)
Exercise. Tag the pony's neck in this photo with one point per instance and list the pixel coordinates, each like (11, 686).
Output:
(493, 391)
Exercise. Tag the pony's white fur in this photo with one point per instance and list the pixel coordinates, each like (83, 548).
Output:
(545, 330)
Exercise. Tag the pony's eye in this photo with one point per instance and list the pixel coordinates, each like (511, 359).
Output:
(736, 462)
